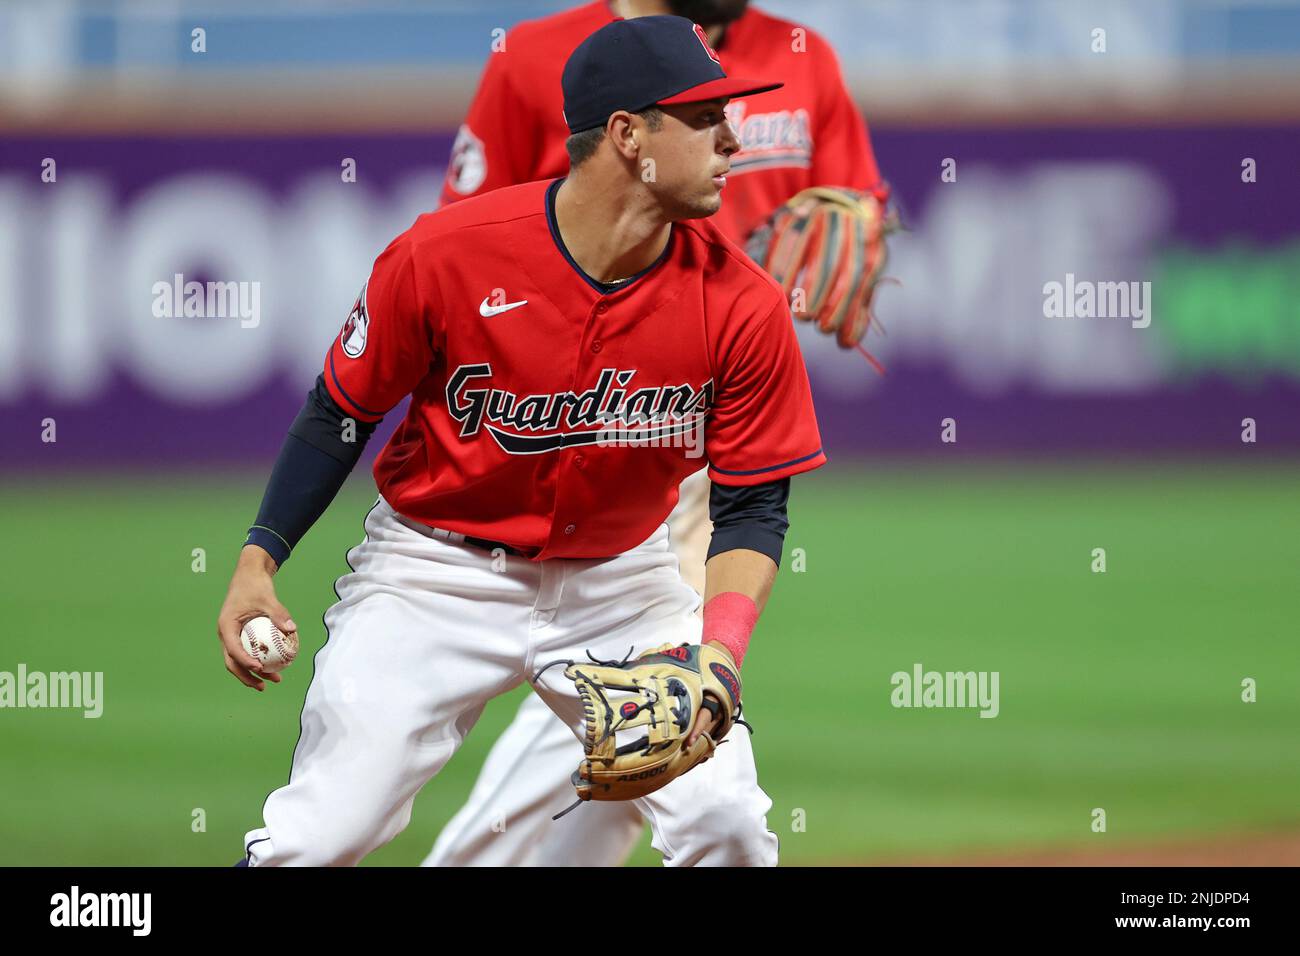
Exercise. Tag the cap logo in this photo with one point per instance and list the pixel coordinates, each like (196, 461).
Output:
(704, 41)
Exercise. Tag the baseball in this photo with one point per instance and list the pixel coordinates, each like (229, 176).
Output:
(273, 649)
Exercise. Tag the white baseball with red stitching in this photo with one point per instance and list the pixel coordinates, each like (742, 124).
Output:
(273, 649)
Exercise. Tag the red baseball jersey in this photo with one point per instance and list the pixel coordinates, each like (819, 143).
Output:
(548, 414)
(808, 133)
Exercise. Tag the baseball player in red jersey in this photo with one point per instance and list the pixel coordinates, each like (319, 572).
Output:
(527, 325)
(808, 133)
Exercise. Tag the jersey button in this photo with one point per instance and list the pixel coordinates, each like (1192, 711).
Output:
(596, 346)
(570, 528)
(602, 308)
(579, 461)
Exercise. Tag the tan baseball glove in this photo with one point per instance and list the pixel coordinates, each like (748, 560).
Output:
(826, 247)
(639, 713)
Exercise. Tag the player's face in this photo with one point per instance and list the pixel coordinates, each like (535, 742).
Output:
(692, 154)
(709, 13)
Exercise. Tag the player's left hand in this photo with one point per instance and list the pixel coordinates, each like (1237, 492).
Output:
(705, 723)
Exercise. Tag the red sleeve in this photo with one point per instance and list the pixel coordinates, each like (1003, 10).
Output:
(842, 153)
(496, 144)
(762, 426)
(387, 342)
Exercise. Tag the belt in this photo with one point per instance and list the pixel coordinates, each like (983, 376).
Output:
(456, 537)
(487, 545)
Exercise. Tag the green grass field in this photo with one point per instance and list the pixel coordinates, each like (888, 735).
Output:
(1119, 690)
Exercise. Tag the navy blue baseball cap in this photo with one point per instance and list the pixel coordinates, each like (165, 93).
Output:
(634, 64)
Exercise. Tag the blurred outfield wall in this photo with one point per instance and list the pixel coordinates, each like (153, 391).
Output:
(181, 168)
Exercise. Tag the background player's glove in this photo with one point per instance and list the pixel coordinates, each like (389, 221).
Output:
(830, 243)
(640, 712)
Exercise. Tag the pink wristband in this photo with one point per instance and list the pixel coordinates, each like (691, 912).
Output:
(729, 620)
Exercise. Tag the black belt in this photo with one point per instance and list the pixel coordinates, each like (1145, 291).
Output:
(487, 545)
(455, 536)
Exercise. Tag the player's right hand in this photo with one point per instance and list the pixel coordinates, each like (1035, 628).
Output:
(251, 594)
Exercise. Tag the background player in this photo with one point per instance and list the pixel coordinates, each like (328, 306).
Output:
(808, 133)
(620, 303)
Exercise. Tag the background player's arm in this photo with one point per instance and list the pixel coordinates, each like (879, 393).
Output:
(842, 153)
(498, 143)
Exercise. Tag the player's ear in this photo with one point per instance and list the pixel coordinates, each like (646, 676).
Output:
(621, 131)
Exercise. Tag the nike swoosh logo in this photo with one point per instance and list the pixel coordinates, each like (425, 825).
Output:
(487, 311)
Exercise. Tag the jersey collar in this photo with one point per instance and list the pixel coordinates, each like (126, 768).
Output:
(603, 288)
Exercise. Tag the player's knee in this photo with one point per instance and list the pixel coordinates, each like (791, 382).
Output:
(307, 852)
(343, 839)
(743, 839)
(728, 832)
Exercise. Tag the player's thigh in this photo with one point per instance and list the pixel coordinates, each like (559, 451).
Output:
(414, 649)
(635, 600)
(388, 678)
(423, 630)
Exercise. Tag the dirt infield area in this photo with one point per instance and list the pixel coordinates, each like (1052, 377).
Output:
(1282, 849)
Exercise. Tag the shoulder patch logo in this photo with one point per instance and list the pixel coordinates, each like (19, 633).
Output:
(357, 327)
(468, 166)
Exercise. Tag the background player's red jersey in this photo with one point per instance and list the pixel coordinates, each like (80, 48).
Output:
(807, 133)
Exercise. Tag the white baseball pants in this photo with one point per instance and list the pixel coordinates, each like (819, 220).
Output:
(425, 632)
(525, 773)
